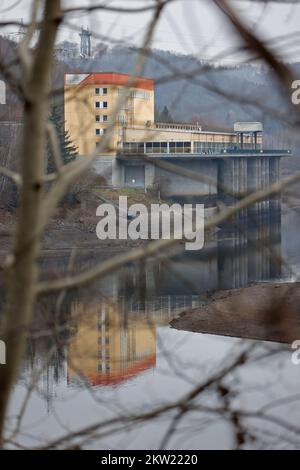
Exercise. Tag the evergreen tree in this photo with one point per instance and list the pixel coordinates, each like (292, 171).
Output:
(68, 150)
(165, 115)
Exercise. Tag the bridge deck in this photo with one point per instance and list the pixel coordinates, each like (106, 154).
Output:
(208, 155)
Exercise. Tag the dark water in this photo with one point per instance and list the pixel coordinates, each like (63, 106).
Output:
(121, 357)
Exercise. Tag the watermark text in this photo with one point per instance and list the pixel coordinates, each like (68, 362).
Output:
(2, 353)
(295, 97)
(2, 92)
(161, 221)
(296, 354)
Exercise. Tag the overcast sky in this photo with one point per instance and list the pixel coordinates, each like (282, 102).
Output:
(187, 26)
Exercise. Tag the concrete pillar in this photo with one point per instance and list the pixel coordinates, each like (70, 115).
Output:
(232, 178)
(149, 175)
(275, 201)
(117, 173)
(226, 180)
(233, 261)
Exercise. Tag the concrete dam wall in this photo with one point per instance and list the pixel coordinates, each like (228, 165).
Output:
(200, 179)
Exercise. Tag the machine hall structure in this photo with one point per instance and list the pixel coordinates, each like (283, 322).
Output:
(138, 148)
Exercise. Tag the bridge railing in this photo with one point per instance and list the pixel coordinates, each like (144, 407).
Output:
(141, 150)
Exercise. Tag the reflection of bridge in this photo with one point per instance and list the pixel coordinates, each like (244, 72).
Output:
(230, 260)
(242, 251)
(115, 328)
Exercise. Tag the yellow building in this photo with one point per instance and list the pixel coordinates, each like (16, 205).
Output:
(91, 101)
(90, 104)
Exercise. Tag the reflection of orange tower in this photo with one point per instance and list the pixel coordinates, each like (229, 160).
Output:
(109, 348)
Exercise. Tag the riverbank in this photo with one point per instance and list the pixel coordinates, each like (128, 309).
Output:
(265, 311)
(74, 225)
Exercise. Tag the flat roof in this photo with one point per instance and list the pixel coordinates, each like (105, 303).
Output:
(108, 78)
(172, 130)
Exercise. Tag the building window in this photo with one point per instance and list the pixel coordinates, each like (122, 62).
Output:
(180, 147)
(149, 147)
(101, 118)
(122, 119)
(187, 147)
(160, 147)
(101, 104)
(100, 131)
(101, 91)
(213, 147)
(156, 147)
(164, 147)
(139, 94)
(142, 95)
(133, 147)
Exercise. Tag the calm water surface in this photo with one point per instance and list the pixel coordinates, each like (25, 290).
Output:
(122, 357)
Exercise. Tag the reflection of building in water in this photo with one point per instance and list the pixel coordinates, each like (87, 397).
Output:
(245, 251)
(109, 347)
(250, 247)
(112, 345)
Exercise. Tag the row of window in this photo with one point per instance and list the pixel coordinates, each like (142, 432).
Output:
(104, 118)
(101, 118)
(142, 95)
(177, 147)
(212, 147)
(138, 94)
(172, 147)
(106, 367)
(101, 104)
(157, 147)
(103, 352)
(106, 338)
(100, 131)
(181, 127)
(101, 91)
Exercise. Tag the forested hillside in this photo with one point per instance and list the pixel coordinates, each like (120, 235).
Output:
(191, 89)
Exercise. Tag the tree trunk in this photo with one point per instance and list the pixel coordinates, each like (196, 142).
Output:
(23, 274)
